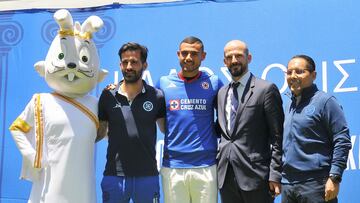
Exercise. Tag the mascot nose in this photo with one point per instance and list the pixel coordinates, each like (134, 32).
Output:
(71, 65)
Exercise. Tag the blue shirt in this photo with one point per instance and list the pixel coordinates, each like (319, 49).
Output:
(316, 138)
(190, 137)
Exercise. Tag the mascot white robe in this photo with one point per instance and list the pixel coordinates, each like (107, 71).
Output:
(56, 132)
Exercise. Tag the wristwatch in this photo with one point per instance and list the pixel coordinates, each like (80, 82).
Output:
(335, 178)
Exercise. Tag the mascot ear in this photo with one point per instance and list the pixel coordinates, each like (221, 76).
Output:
(64, 19)
(40, 68)
(102, 74)
(92, 24)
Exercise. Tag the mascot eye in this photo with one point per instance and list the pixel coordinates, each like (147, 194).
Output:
(84, 59)
(61, 56)
(84, 55)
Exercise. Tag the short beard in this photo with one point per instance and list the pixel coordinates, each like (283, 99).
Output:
(129, 78)
(185, 67)
(237, 73)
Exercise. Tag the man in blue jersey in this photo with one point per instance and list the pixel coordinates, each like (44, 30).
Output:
(189, 160)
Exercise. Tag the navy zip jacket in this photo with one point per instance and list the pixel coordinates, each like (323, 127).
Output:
(316, 139)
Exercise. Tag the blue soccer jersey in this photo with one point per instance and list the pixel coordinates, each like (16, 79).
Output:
(190, 137)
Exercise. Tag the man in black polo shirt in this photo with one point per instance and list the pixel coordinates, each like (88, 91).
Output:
(130, 112)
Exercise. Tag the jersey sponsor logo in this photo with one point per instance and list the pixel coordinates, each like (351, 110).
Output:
(174, 104)
(205, 85)
(148, 106)
(187, 104)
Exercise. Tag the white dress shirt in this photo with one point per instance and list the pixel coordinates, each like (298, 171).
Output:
(243, 80)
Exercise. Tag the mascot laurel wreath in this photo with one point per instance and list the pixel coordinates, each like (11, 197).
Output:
(56, 132)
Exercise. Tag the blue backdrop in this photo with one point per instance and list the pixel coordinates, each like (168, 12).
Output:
(327, 30)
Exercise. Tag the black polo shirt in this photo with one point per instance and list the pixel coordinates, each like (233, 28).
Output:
(132, 155)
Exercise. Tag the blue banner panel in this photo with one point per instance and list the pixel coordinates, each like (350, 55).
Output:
(327, 30)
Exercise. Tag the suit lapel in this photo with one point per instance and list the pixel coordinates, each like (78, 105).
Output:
(248, 92)
(222, 112)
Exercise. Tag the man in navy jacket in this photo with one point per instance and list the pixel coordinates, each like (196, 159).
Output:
(316, 138)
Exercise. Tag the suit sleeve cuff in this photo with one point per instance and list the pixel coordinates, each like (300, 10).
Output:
(275, 177)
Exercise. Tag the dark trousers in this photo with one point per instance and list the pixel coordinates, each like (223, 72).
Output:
(305, 192)
(232, 193)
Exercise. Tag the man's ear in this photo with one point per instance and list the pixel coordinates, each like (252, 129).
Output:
(145, 65)
(203, 55)
(249, 57)
(224, 60)
(102, 74)
(40, 68)
(313, 75)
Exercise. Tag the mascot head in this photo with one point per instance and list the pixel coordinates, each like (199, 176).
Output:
(71, 67)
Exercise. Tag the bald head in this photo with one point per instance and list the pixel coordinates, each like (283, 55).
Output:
(236, 44)
(236, 58)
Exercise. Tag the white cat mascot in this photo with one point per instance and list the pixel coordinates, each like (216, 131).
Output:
(56, 132)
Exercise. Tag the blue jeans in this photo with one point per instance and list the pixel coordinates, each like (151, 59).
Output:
(305, 192)
(120, 189)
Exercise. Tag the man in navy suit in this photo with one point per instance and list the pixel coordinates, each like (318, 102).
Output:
(251, 119)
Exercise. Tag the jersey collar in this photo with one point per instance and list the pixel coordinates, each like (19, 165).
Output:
(180, 75)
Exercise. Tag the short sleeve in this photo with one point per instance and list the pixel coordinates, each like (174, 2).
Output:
(161, 102)
(102, 114)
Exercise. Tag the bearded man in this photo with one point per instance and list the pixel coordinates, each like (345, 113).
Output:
(130, 112)
(251, 118)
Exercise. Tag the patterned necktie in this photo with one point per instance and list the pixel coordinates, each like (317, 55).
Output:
(234, 104)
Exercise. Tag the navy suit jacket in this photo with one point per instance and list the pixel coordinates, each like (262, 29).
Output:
(254, 147)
